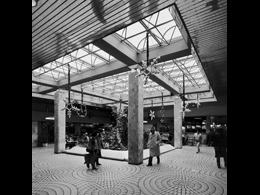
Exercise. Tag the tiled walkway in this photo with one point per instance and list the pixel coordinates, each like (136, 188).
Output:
(181, 171)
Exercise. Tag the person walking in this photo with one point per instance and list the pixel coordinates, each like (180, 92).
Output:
(219, 142)
(154, 146)
(197, 138)
(184, 138)
(86, 139)
(209, 136)
(99, 147)
(92, 147)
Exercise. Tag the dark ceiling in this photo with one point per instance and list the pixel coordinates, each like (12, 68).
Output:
(206, 22)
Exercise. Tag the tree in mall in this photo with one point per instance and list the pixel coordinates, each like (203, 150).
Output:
(119, 133)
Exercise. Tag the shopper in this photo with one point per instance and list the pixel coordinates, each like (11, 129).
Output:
(184, 138)
(197, 138)
(99, 147)
(209, 137)
(219, 142)
(154, 146)
(86, 139)
(92, 147)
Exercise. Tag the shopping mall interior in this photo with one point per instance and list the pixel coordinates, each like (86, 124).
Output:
(88, 49)
(122, 67)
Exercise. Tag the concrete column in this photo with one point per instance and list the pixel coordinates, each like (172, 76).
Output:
(177, 123)
(135, 118)
(172, 125)
(207, 124)
(59, 122)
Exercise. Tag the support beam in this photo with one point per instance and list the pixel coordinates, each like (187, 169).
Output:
(135, 119)
(43, 80)
(59, 122)
(113, 45)
(177, 49)
(94, 94)
(202, 89)
(51, 97)
(165, 82)
(208, 97)
(43, 96)
(158, 103)
(110, 69)
(177, 123)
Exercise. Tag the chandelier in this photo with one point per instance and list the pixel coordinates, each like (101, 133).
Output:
(82, 112)
(69, 104)
(145, 65)
(162, 110)
(152, 112)
(120, 112)
(185, 105)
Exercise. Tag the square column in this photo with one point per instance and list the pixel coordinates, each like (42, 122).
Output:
(59, 122)
(177, 123)
(207, 124)
(135, 118)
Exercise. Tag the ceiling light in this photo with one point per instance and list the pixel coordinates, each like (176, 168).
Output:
(50, 118)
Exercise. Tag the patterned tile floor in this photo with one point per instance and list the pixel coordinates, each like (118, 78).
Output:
(181, 171)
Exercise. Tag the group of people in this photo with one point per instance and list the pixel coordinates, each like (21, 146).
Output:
(218, 140)
(93, 147)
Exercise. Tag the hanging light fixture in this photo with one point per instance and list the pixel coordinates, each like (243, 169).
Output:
(82, 112)
(152, 113)
(162, 111)
(69, 105)
(146, 64)
(184, 105)
(120, 110)
(198, 101)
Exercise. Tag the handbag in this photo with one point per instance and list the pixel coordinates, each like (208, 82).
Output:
(89, 148)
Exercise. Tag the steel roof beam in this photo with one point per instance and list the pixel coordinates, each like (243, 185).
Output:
(112, 68)
(171, 103)
(113, 46)
(43, 80)
(189, 90)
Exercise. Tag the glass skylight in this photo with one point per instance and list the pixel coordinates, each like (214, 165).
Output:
(162, 32)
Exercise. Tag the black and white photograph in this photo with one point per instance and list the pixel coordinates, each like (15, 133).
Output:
(129, 97)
